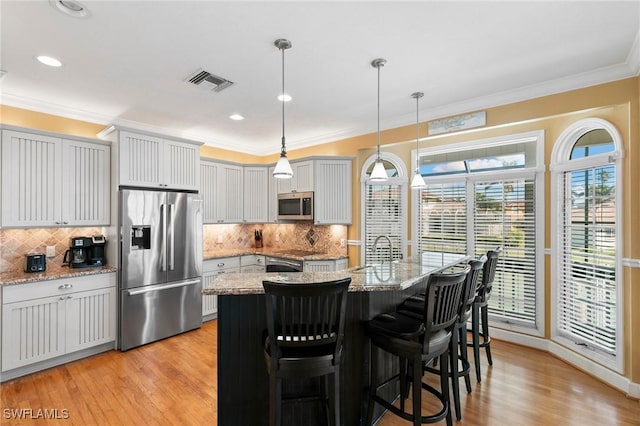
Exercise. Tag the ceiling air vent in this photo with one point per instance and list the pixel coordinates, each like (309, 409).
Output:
(206, 80)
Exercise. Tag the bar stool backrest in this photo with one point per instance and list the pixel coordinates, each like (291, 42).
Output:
(442, 302)
(304, 316)
(488, 275)
(470, 287)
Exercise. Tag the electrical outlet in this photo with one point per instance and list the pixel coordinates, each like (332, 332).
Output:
(219, 240)
(277, 237)
(51, 251)
(343, 242)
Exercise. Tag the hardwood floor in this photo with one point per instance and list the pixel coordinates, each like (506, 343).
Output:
(174, 382)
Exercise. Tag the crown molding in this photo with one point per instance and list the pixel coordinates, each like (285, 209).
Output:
(630, 68)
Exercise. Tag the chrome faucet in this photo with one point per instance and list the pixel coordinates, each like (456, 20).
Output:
(374, 247)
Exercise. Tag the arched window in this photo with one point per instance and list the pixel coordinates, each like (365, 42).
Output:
(587, 287)
(384, 211)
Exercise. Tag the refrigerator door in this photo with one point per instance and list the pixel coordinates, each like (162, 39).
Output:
(143, 234)
(158, 311)
(184, 236)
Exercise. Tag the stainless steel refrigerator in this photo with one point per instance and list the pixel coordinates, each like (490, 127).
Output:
(160, 265)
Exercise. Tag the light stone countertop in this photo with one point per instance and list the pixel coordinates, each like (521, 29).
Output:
(217, 254)
(393, 276)
(19, 277)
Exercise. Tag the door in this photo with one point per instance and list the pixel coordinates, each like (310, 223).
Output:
(143, 219)
(31, 180)
(90, 319)
(155, 312)
(184, 236)
(33, 330)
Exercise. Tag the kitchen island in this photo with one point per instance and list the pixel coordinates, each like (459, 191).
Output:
(242, 374)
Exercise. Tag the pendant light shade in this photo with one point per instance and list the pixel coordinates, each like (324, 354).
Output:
(379, 173)
(418, 181)
(283, 168)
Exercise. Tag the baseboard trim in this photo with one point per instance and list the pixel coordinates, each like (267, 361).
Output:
(613, 379)
(54, 362)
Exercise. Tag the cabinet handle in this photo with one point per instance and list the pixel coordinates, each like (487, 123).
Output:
(65, 286)
(220, 265)
(65, 297)
(65, 223)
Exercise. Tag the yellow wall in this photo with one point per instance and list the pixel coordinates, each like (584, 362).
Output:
(617, 102)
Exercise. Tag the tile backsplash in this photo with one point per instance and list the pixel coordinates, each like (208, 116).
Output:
(15, 243)
(298, 236)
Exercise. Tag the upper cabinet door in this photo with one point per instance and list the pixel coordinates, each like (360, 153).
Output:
(256, 194)
(31, 180)
(141, 160)
(333, 192)
(181, 165)
(209, 185)
(86, 183)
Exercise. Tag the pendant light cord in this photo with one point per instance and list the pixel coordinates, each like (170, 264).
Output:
(417, 132)
(379, 65)
(283, 150)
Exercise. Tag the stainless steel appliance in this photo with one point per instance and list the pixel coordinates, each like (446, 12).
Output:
(35, 262)
(160, 265)
(280, 264)
(78, 255)
(295, 206)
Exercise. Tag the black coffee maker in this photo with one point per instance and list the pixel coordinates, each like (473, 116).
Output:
(79, 253)
(98, 258)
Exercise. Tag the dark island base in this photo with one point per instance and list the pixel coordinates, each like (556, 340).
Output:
(243, 382)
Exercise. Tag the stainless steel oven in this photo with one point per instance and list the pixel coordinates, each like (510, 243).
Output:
(279, 264)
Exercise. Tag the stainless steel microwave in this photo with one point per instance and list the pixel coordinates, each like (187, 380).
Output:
(295, 206)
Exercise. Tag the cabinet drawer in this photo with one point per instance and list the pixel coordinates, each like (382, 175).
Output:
(30, 291)
(221, 263)
(252, 259)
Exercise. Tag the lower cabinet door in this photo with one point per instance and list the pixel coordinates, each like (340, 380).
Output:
(90, 318)
(32, 331)
(209, 303)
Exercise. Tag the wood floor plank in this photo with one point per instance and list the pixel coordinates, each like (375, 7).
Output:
(173, 382)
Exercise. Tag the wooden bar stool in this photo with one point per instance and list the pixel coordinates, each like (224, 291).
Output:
(417, 342)
(480, 311)
(458, 346)
(305, 325)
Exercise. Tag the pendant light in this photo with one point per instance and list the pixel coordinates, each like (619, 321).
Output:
(283, 168)
(418, 181)
(379, 173)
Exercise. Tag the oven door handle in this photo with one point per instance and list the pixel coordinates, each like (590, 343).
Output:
(161, 287)
(272, 261)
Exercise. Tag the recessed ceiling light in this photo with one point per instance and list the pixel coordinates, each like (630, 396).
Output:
(236, 117)
(48, 60)
(284, 98)
(70, 7)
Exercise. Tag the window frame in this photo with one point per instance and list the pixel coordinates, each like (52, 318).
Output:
(560, 164)
(536, 172)
(401, 180)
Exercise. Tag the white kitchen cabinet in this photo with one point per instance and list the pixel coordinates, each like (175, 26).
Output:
(44, 320)
(332, 195)
(325, 265)
(256, 194)
(156, 162)
(210, 270)
(221, 191)
(273, 197)
(252, 263)
(302, 180)
(50, 181)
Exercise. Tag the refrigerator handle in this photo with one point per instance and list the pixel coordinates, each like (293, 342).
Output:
(172, 236)
(163, 256)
